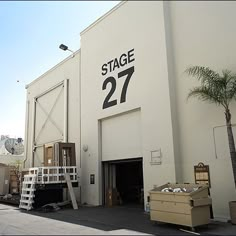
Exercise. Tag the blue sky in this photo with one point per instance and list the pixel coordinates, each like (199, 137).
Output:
(31, 32)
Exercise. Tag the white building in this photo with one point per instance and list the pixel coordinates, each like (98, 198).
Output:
(122, 100)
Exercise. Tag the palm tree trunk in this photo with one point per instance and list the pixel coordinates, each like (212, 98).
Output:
(231, 142)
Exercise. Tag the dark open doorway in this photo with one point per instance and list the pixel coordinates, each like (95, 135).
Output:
(123, 179)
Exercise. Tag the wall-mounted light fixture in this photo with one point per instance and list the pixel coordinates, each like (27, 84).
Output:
(65, 48)
(85, 147)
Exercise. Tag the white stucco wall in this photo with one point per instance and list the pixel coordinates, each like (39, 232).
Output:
(129, 26)
(202, 33)
(46, 131)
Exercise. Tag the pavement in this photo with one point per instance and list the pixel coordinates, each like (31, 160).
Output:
(14, 221)
(120, 220)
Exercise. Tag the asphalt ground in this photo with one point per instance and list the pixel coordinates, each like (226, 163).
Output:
(87, 220)
(130, 218)
(14, 221)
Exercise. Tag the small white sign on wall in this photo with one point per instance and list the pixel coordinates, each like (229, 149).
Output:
(156, 156)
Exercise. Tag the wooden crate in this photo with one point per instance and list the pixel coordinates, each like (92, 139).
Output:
(65, 154)
(111, 197)
(49, 155)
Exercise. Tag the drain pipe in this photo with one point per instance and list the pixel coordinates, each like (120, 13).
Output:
(27, 133)
(214, 138)
(65, 136)
(33, 129)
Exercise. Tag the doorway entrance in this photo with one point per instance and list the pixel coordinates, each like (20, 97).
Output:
(123, 182)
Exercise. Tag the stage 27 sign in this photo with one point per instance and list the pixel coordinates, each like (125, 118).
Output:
(114, 64)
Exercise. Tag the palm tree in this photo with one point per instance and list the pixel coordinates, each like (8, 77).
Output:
(220, 90)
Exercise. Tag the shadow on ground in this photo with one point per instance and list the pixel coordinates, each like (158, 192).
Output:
(123, 217)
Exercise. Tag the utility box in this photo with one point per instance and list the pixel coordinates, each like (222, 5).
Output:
(4, 179)
(186, 204)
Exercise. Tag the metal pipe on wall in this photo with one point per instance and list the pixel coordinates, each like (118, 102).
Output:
(80, 146)
(214, 139)
(65, 136)
(27, 133)
(33, 129)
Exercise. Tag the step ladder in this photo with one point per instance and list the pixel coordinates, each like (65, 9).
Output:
(27, 193)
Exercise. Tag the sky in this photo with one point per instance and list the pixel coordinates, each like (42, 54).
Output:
(30, 35)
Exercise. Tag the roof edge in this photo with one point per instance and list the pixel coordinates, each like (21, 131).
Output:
(103, 16)
(53, 68)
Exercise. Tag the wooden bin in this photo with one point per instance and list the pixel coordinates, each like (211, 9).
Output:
(191, 208)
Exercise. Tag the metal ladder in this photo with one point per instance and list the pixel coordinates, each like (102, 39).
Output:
(27, 193)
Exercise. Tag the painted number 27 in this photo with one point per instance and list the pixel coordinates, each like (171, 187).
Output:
(108, 102)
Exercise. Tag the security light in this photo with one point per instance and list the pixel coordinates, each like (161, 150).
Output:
(64, 47)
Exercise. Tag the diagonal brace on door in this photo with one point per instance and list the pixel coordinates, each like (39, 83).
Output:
(49, 115)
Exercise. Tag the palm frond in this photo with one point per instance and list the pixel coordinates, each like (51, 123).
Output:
(229, 80)
(214, 88)
(204, 74)
(206, 94)
(231, 90)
